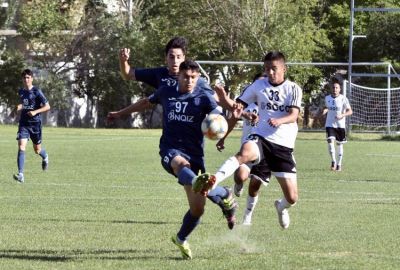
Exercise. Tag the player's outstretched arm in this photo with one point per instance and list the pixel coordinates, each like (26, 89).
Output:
(126, 71)
(139, 106)
(223, 99)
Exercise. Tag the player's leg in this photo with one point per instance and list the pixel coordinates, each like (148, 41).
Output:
(36, 137)
(22, 137)
(331, 135)
(260, 175)
(177, 163)
(341, 140)
(240, 176)
(249, 152)
(190, 221)
(288, 184)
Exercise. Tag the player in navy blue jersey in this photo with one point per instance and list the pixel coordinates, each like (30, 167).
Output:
(185, 105)
(175, 54)
(33, 103)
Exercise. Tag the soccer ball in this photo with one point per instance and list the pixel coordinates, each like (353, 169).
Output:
(214, 126)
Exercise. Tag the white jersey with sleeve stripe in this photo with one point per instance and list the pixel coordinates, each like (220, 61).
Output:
(274, 102)
(336, 105)
(247, 125)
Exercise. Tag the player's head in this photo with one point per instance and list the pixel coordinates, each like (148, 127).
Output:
(189, 72)
(27, 78)
(275, 67)
(335, 86)
(175, 52)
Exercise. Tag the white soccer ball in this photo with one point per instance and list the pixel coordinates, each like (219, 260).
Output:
(214, 126)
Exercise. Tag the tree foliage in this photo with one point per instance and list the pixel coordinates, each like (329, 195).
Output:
(76, 42)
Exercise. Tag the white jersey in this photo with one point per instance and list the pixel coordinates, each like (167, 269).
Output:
(247, 125)
(274, 102)
(336, 105)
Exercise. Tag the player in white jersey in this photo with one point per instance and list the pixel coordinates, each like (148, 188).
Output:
(337, 107)
(258, 175)
(273, 139)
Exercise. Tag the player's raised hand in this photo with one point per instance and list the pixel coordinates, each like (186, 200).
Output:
(124, 54)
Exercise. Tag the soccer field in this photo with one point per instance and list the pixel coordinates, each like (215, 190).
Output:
(106, 203)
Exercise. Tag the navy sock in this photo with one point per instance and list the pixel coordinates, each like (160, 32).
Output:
(21, 161)
(188, 225)
(43, 153)
(185, 176)
(217, 194)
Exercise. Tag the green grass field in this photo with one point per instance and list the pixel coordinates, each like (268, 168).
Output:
(106, 203)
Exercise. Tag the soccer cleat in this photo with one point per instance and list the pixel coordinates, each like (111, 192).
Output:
(238, 189)
(338, 168)
(183, 247)
(229, 206)
(247, 217)
(19, 177)
(45, 163)
(283, 216)
(333, 166)
(203, 183)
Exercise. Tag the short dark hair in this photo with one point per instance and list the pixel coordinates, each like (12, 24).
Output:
(189, 65)
(177, 43)
(27, 72)
(274, 55)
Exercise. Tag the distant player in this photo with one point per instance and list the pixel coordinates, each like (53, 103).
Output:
(185, 105)
(33, 103)
(337, 107)
(258, 174)
(273, 139)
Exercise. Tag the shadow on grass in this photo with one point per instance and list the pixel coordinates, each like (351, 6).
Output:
(71, 255)
(152, 222)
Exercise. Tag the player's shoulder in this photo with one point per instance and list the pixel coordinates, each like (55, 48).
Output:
(291, 85)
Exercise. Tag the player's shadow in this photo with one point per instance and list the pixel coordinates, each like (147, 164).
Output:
(79, 254)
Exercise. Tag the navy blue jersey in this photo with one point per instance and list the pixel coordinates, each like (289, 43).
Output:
(182, 118)
(31, 100)
(158, 77)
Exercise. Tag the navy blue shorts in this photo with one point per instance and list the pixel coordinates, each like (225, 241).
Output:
(167, 155)
(33, 132)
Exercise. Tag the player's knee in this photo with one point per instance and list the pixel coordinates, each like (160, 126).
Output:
(37, 150)
(197, 211)
(330, 140)
(293, 198)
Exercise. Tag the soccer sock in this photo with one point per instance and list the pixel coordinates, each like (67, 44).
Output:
(186, 176)
(189, 223)
(43, 153)
(284, 204)
(217, 194)
(340, 154)
(227, 169)
(332, 153)
(21, 161)
(251, 203)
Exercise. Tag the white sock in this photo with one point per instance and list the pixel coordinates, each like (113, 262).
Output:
(340, 154)
(284, 204)
(332, 152)
(251, 203)
(227, 169)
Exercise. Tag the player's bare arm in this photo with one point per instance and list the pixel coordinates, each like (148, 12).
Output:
(139, 106)
(348, 112)
(290, 118)
(45, 108)
(223, 99)
(126, 71)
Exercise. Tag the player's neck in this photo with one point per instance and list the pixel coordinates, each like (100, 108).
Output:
(28, 87)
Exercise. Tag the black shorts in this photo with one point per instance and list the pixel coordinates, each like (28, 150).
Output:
(262, 171)
(339, 134)
(275, 158)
